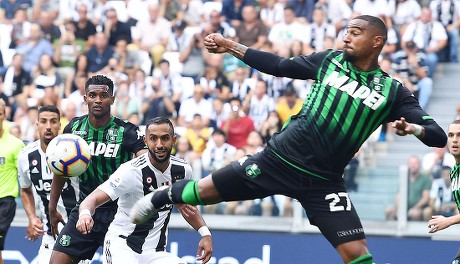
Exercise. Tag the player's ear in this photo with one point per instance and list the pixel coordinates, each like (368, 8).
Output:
(85, 99)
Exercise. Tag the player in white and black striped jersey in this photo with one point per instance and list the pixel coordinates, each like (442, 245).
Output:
(126, 242)
(35, 180)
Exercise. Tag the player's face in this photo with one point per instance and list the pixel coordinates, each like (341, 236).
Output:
(453, 140)
(160, 142)
(357, 41)
(98, 98)
(48, 126)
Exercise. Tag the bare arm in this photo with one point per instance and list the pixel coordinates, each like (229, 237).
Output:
(55, 216)
(35, 228)
(87, 207)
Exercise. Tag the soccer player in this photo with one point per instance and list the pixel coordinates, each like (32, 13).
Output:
(112, 142)
(33, 173)
(10, 146)
(440, 222)
(145, 243)
(350, 98)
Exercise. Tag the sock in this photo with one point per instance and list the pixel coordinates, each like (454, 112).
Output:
(364, 259)
(182, 192)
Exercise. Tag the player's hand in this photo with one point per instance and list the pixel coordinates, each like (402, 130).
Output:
(204, 252)
(187, 210)
(402, 127)
(35, 229)
(215, 43)
(84, 224)
(437, 223)
(55, 219)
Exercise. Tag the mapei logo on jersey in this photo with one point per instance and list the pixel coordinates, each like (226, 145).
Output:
(80, 132)
(65, 240)
(109, 150)
(252, 171)
(369, 97)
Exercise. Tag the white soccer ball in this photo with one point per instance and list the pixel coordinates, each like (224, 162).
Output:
(68, 155)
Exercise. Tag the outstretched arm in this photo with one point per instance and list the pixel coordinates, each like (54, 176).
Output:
(35, 228)
(87, 207)
(194, 218)
(55, 217)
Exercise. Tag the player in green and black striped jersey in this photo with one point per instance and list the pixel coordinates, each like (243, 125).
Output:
(350, 98)
(440, 222)
(112, 142)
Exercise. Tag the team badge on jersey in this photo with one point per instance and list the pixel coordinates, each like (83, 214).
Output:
(65, 240)
(112, 135)
(252, 171)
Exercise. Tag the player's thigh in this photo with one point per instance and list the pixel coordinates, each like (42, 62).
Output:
(329, 207)
(46, 249)
(161, 257)
(116, 251)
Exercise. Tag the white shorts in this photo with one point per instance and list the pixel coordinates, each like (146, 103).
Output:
(116, 251)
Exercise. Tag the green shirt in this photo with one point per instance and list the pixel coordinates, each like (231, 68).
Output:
(454, 178)
(9, 150)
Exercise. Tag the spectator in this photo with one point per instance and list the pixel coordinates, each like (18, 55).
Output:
(195, 105)
(404, 12)
(170, 82)
(219, 113)
(216, 24)
(169, 9)
(214, 83)
(338, 12)
(9, 7)
(271, 12)
(20, 30)
(99, 55)
(411, 67)
(284, 33)
(251, 32)
(271, 125)
(46, 82)
(317, 32)
(198, 134)
(429, 36)
(192, 56)
(152, 35)
(177, 38)
(238, 126)
(67, 49)
(51, 32)
(193, 12)
(140, 88)
(124, 105)
(27, 125)
(185, 151)
(78, 95)
(157, 104)
(69, 111)
(434, 161)
(441, 200)
(112, 70)
(303, 10)
(258, 104)
(9, 150)
(418, 194)
(448, 13)
(34, 47)
(84, 28)
(114, 29)
(129, 60)
(217, 154)
(232, 11)
(289, 104)
(16, 82)
(80, 69)
(241, 84)
(370, 7)
(254, 143)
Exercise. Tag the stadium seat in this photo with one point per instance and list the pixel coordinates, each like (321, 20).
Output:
(187, 84)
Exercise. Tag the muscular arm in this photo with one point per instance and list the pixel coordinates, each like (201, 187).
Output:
(86, 210)
(35, 228)
(55, 217)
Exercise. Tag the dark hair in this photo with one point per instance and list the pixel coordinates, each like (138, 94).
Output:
(455, 122)
(218, 131)
(99, 80)
(79, 57)
(376, 24)
(163, 61)
(49, 108)
(236, 98)
(158, 121)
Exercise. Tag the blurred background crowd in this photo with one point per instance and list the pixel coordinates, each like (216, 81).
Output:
(153, 51)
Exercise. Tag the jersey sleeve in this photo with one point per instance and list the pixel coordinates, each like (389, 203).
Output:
(188, 172)
(407, 106)
(23, 170)
(133, 140)
(68, 127)
(302, 67)
(119, 183)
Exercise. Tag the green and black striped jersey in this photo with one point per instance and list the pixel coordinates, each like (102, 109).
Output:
(110, 146)
(345, 106)
(455, 179)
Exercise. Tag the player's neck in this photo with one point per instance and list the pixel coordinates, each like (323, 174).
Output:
(160, 166)
(366, 65)
(98, 122)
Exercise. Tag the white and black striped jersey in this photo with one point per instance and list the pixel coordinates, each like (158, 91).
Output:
(33, 170)
(130, 182)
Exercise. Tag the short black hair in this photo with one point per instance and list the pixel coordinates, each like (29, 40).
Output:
(236, 98)
(49, 108)
(218, 131)
(455, 122)
(158, 121)
(99, 80)
(375, 24)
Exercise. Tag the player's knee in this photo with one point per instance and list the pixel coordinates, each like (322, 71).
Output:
(364, 259)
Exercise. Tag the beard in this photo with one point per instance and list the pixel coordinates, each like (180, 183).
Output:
(348, 56)
(163, 160)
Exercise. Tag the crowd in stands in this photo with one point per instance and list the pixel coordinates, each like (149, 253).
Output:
(153, 51)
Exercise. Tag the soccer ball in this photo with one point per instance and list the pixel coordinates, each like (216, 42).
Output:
(68, 155)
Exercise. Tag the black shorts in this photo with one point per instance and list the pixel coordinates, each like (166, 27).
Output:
(326, 202)
(76, 244)
(7, 212)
